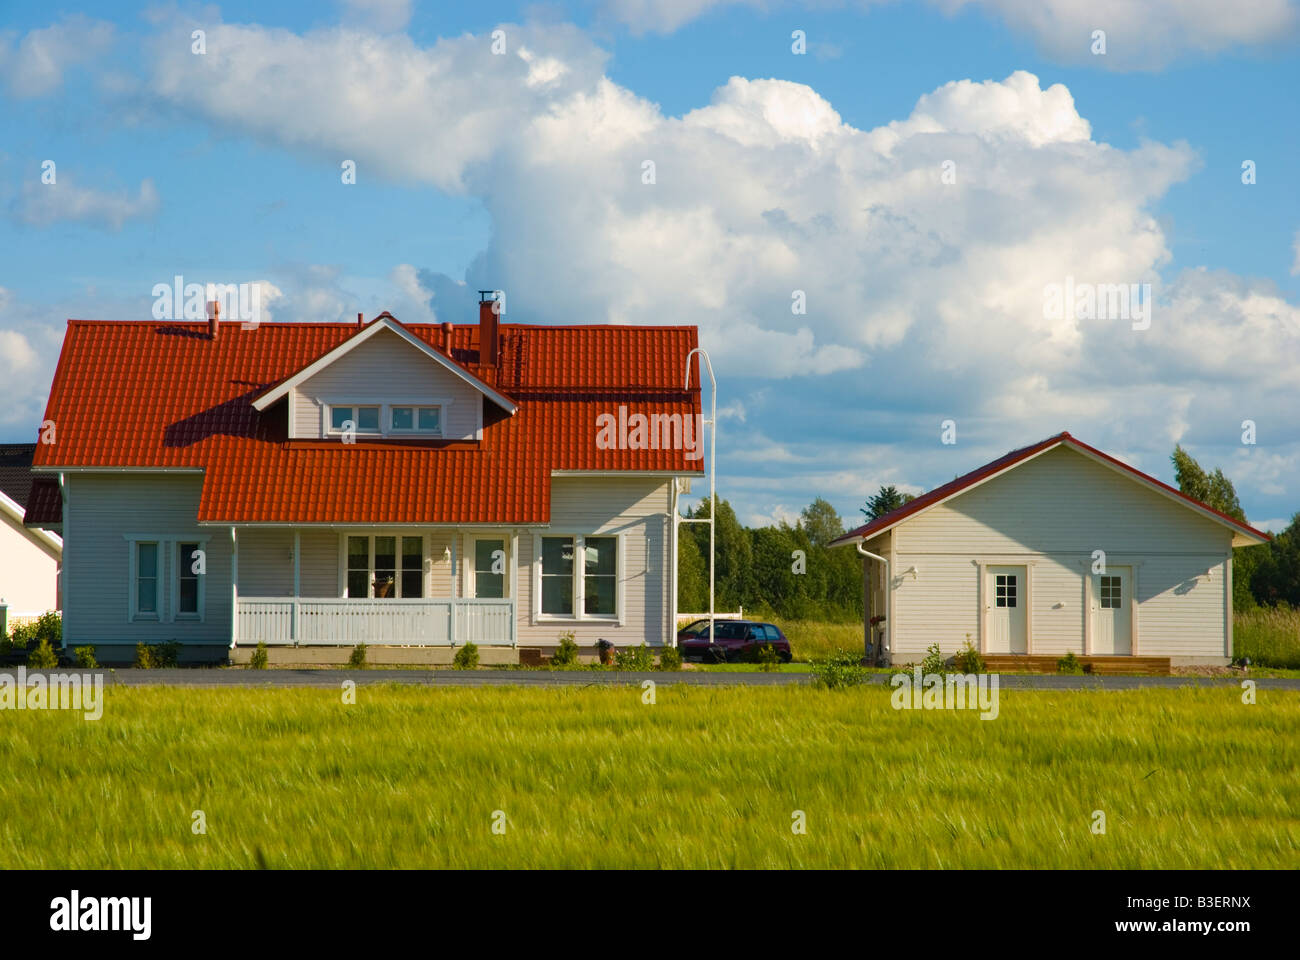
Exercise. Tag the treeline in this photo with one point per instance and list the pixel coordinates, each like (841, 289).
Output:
(785, 571)
(1264, 575)
(789, 571)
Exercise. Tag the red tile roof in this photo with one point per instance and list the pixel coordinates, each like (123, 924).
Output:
(156, 395)
(939, 494)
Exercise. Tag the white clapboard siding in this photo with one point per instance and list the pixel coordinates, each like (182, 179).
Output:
(1050, 514)
(1060, 502)
(638, 508)
(386, 369)
(101, 511)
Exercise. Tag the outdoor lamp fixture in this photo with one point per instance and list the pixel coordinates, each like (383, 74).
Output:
(446, 554)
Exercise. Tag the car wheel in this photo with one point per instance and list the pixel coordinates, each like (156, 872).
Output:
(718, 655)
(786, 656)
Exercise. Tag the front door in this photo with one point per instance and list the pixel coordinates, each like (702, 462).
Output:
(1006, 606)
(1112, 625)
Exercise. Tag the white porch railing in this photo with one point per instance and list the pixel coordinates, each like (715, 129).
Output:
(346, 621)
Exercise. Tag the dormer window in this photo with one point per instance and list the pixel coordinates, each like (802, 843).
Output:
(426, 419)
(363, 419)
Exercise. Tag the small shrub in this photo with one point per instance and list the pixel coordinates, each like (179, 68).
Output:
(43, 656)
(1069, 664)
(566, 655)
(466, 657)
(85, 657)
(968, 659)
(670, 658)
(841, 669)
(259, 659)
(766, 657)
(357, 660)
(934, 661)
(605, 649)
(157, 656)
(634, 658)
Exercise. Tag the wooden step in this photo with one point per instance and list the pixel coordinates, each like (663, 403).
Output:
(1046, 663)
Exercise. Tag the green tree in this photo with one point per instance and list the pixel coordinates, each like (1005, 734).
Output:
(1212, 489)
(1216, 490)
(1276, 578)
(734, 557)
(821, 522)
(692, 573)
(885, 500)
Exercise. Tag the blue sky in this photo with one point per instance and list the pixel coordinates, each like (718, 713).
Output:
(775, 172)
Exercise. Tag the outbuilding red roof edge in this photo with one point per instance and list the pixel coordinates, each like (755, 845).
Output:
(1006, 462)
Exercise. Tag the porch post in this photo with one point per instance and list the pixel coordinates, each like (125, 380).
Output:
(297, 585)
(455, 584)
(234, 589)
(514, 589)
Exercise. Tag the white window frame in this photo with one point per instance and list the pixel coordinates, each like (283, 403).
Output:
(579, 614)
(174, 578)
(136, 614)
(415, 431)
(166, 602)
(354, 417)
(426, 563)
(385, 406)
(469, 582)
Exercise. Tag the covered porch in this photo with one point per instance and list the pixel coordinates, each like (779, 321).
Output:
(335, 586)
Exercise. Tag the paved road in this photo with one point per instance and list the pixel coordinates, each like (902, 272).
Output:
(580, 678)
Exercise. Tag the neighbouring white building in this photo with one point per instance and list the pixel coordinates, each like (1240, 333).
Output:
(1053, 548)
(30, 557)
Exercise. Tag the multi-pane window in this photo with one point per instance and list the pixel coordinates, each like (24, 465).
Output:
(600, 572)
(557, 576)
(358, 566)
(385, 581)
(412, 566)
(363, 419)
(1111, 592)
(416, 419)
(1005, 590)
(187, 587)
(489, 568)
(573, 566)
(146, 579)
(376, 568)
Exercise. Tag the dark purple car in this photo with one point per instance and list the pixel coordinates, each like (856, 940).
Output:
(734, 641)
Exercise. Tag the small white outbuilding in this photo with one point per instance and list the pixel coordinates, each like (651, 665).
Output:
(1053, 548)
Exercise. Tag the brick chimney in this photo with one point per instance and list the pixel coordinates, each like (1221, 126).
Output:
(489, 327)
(214, 318)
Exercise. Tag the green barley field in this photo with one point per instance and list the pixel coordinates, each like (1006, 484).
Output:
(592, 777)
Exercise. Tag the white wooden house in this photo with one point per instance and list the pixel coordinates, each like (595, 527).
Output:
(412, 486)
(1053, 548)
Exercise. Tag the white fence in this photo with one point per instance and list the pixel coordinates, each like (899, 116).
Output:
(344, 621)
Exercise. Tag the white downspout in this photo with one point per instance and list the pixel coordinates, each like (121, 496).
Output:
(713, 446)
(889, 598)
(673, 534)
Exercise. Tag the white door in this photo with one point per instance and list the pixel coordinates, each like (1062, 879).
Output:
(1006, 606)
(1112, 624)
